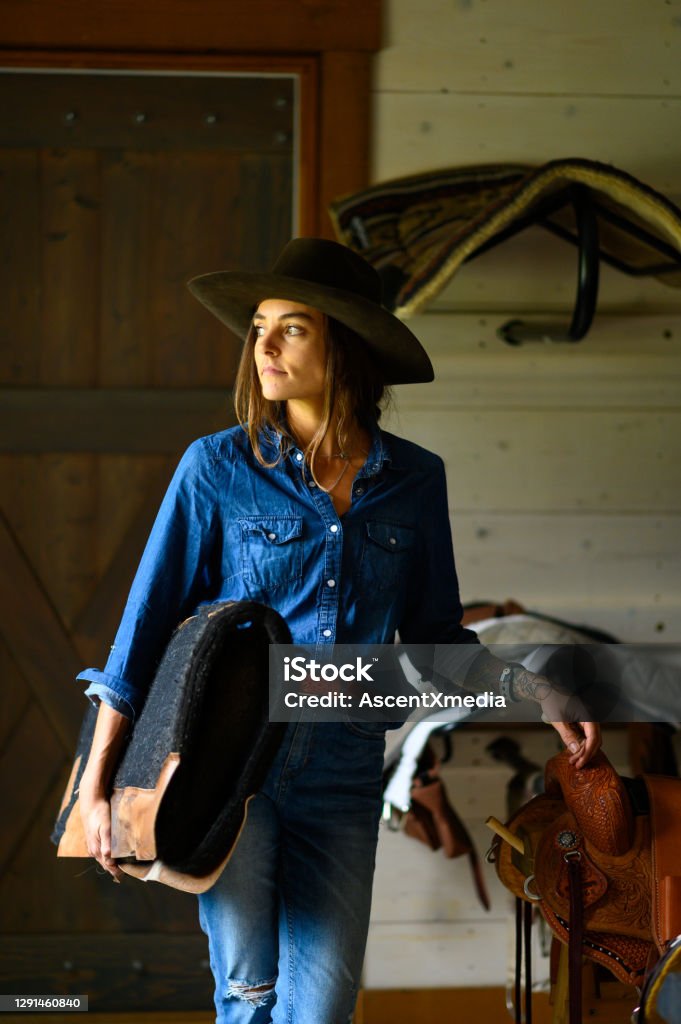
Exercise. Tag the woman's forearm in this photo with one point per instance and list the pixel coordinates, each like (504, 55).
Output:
(110, 731)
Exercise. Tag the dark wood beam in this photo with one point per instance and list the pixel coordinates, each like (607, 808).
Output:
(149, 422)
(345, 129)
(134, 971)
(254, 26)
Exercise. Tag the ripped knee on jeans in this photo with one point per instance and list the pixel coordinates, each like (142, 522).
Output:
(257, 994)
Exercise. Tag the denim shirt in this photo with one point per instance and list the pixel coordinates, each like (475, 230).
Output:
(231, 529)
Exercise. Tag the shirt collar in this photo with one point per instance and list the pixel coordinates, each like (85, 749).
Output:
(379, 449)
(379, 453)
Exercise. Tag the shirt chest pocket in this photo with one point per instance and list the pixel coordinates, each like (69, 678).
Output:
(271, 550)
(386, 556)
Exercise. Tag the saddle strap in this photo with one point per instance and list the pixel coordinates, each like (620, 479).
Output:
(527, 928)
(575, 937)
(518, 958)
(523, 944)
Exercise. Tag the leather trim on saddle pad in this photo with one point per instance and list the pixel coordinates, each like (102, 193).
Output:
(72, 842)
(133, 815)
(157, 871)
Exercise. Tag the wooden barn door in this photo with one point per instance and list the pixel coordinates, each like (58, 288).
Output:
(115, 189)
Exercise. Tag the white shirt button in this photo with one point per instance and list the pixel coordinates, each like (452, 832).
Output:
(359, 490)
(327, 632)
(393, 540)
(299, 457)
(272, 536)
(334, 528)
(331, 583)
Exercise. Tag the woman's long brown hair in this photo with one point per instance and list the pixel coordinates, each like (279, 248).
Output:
(354, 387)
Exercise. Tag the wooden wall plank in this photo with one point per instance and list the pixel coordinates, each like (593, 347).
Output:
(566, 460)
(20, 263)
(70, 313)
(531, 47)
(594, 558)
(627, 361)
(630, 617)
(206, 25)
(430, 954)
(424, 131)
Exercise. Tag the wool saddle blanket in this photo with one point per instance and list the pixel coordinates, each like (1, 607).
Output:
(198, 752)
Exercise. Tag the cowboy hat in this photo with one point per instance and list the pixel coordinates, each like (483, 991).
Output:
(336, 281)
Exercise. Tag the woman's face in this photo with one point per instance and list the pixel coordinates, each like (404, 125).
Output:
(290, 350)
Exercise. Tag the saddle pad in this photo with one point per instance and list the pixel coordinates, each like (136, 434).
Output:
(199, 750)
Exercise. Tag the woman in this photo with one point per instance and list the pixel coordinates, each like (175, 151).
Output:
(309, 507)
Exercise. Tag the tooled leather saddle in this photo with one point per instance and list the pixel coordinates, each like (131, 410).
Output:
(600, 856)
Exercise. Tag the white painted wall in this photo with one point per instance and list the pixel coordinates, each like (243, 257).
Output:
(563, 461)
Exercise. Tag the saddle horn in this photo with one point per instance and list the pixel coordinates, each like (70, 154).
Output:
(598, 800)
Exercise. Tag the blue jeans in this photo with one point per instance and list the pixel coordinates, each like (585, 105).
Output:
(287, 920)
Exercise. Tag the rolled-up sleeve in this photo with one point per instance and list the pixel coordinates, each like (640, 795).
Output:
(433, 611)
(98, 693)
(174, 575)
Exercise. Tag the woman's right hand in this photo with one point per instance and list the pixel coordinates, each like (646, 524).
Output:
(95, 811)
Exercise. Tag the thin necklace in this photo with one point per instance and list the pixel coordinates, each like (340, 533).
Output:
(338, 478)
(344, 455)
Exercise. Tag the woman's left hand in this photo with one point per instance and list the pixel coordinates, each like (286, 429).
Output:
(583, 740)
(565, 712)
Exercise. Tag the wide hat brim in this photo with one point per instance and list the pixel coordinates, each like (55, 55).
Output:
(233, 297)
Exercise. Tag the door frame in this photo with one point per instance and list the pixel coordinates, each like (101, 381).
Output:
(328, 46)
